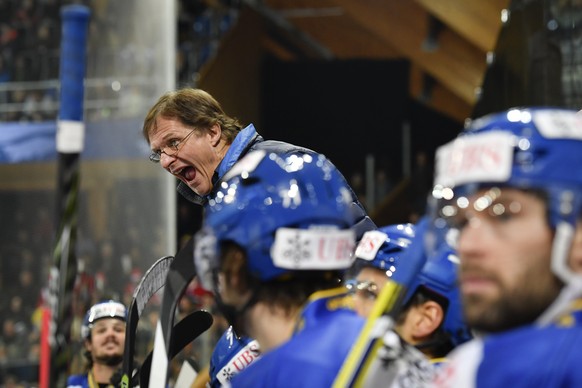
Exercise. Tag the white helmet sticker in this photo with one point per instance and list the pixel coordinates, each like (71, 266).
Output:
(370, 243)
(317, 248)
(558, 124)
(107, 310)
(483, 157)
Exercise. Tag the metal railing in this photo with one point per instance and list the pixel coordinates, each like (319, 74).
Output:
(119, 96)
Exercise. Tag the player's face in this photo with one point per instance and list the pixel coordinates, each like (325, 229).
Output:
(370, 282)
(197, 157)
(504, 248)
(107, 341)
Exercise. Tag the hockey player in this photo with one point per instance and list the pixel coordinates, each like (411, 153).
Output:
(282, 229)
(103, 332)
(431, 318)
(426, 326)
(511, 184)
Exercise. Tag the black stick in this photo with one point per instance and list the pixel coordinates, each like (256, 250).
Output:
(185, 331)
(150, 283)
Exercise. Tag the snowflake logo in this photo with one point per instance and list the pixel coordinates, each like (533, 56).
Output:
(298, 249)
(228, 373)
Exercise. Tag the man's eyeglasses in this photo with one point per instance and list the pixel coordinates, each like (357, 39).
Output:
(365, 289)
(171, 149)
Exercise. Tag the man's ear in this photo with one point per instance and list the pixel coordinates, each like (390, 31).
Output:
(215, 133)
(428, 317)
(576, 250)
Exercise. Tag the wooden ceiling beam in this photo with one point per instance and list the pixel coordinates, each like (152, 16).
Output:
(441, 98)
(456, 63)
(477, 21)
(347, 39)
(327, 23)
(276, 49)
(398, 29)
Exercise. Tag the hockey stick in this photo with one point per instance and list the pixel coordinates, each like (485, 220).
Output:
(361, 364)
(187, 375)
(185, 331)
(181, 273)
(150, 283)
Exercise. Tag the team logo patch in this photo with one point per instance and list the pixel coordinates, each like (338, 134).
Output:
(316, 248)
(245, 357)
(483, 157)
(370, 243)
(562, 125)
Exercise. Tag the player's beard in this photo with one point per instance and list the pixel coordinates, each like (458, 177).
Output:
(510, 309)
(110, 359)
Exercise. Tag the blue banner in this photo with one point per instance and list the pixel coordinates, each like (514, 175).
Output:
(35, 142)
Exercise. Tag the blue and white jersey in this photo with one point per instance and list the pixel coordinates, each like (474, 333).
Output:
(529, 356)
(78, 381)
(314, 354)
(231, 355)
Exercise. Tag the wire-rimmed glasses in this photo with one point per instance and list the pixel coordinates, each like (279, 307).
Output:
(366, 289)
(170, 149)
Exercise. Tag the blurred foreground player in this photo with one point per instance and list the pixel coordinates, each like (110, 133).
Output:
(511, 184)
(429, 324)
(282, 229)
(431, 318)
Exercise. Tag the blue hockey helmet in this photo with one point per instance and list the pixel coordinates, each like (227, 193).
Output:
(231, 355)
(289, 212)
(381, 248)
(527, 148)
(101, 310)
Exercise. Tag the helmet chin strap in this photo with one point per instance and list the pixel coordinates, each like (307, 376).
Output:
(559, 263)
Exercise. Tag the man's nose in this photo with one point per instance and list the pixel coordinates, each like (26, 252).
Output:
(166, 160)
(471, 236)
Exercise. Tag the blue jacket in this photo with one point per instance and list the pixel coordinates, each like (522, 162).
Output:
(249, 140)
(315, 353)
